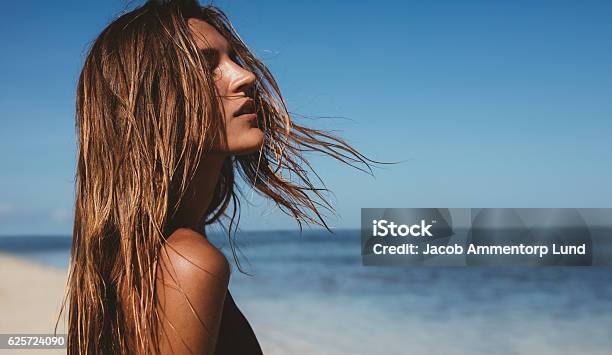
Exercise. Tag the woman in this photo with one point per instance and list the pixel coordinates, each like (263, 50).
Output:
(170, 104)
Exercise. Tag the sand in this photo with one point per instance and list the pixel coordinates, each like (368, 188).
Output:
(30, 300)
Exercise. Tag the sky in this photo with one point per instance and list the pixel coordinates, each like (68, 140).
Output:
(486, 103)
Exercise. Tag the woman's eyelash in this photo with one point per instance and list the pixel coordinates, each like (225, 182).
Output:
(211, 58)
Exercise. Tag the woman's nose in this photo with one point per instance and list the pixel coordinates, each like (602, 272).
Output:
(243, 80)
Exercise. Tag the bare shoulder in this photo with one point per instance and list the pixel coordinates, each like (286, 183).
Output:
(191, 287)
(187, 251)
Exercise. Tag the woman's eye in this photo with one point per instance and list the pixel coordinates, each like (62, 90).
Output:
(213, 63)
(211, 58)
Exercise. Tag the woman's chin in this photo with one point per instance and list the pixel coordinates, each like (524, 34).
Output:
(248, 143)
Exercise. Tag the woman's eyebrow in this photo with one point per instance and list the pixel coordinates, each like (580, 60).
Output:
(212, 52)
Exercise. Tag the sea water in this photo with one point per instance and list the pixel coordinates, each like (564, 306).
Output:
(308, 293)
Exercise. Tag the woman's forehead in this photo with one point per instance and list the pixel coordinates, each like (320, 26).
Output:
(206, 36)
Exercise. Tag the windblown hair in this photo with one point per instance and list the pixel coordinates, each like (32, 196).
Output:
(147, 112)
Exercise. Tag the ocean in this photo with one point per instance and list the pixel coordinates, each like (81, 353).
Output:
(310, 293)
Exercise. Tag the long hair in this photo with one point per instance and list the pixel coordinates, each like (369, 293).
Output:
(147, 112)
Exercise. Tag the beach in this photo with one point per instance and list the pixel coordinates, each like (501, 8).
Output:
(310, 295)
(30, 300)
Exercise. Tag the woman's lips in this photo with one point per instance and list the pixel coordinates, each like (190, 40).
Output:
(247, 116)
(248, 107)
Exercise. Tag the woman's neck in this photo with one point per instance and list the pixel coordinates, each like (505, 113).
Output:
(199, 194)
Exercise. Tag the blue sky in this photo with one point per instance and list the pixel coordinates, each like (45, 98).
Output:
(491, 103)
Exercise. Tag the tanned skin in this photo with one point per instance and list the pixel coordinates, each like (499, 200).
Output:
(188, 261)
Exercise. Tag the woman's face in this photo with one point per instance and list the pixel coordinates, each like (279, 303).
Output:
(234, 85)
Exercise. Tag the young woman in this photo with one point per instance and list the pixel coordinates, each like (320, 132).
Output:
(171, 104)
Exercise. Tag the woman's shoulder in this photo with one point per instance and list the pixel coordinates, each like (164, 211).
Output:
(192, 284)
(189, 253)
